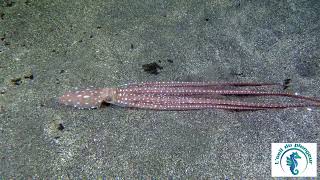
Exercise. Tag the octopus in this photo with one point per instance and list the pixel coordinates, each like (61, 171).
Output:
(177, 96)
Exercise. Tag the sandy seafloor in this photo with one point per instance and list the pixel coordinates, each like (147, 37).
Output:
(49, 47)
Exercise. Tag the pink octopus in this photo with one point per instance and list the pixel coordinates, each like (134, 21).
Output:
(187, 96)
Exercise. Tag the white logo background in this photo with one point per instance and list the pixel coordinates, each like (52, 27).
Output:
(280, 152)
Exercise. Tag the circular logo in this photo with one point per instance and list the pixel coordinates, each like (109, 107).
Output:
(294, 161)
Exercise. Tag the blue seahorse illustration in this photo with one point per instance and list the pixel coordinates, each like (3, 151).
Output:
(293, 163)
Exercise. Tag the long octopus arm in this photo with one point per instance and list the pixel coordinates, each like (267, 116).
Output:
(131, 100)
(182, 107)
(198, 84)
(198, 91)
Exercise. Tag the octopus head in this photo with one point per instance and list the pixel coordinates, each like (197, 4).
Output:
(87, 98)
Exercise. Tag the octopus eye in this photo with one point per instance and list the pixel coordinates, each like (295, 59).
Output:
(108, 99)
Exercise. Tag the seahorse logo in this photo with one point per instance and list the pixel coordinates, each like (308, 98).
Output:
(293, 163)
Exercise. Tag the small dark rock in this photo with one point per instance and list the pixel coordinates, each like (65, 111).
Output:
(2, 91)
(237, 3)
(152, 68)
(28, 76)
(60, 127)
(286, 83)
(8, 3)
(1, 15)
(16, 81)
(27, 2)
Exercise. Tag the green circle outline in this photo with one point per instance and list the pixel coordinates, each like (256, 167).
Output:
(298, 150)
